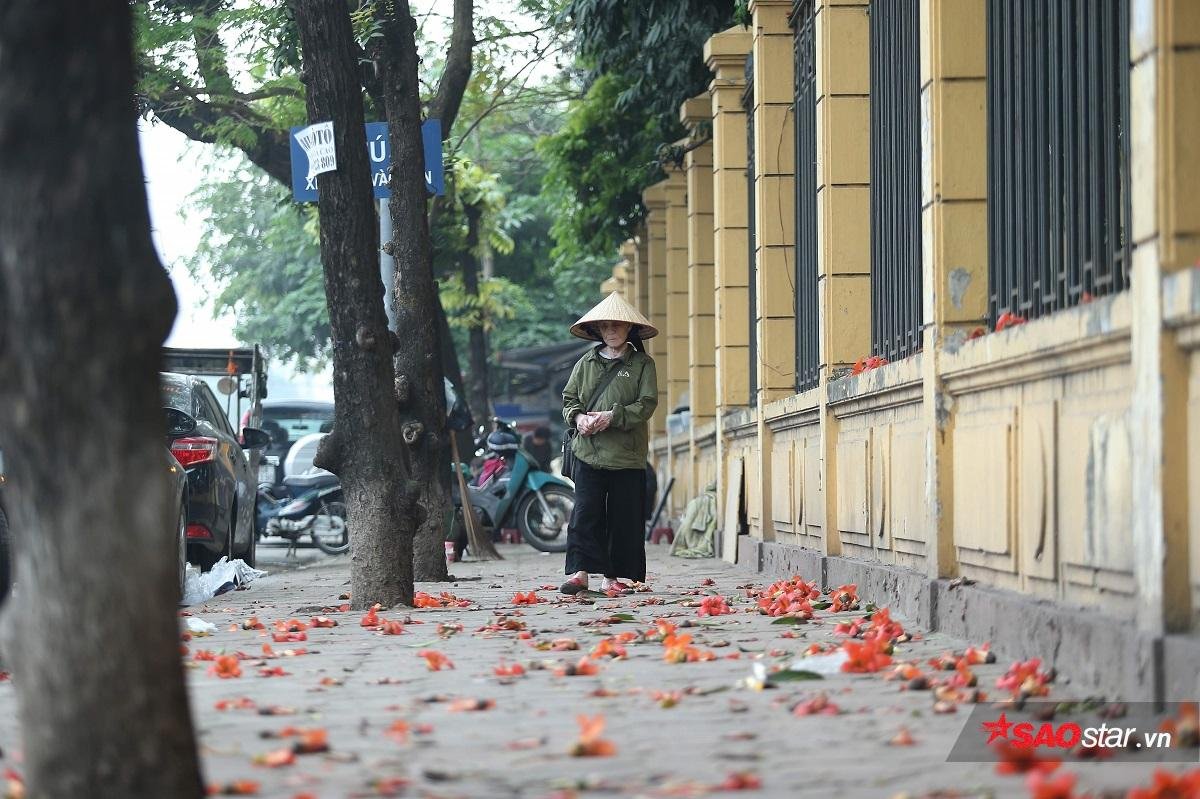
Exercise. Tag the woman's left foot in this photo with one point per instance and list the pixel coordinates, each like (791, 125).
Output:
(613, 584)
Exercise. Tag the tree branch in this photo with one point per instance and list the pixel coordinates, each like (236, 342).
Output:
(457, 73)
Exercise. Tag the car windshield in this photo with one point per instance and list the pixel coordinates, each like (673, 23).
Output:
(290, 424)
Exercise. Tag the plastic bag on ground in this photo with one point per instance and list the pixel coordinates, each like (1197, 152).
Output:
(225, 575)
(198, 626)
(825, 665)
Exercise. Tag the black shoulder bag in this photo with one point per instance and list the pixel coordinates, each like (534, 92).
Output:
(568, 457)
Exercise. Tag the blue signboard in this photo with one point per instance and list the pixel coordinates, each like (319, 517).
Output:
(379, 151)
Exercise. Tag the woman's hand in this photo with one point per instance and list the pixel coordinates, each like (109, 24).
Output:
(600, 421)
(584, 423)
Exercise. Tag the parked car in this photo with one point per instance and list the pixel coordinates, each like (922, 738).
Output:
(221, 484)
(179, 487)
(288, 421)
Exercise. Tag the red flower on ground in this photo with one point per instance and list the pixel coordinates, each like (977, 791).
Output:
(609, 647)
(1167, 785)
(740, 781)
(277, 758)
(1025, 677)
(513, 670)
(434, 660)
(392, 628)
(844, 597)
(1044, 786)
(584, 668)
(1022, 759)
(322, 621)
(714, 606)
(371, 618)
(253, 623)
(530, 598)
(590, 744)
(865, 657)
(226, 667)
(817, 706)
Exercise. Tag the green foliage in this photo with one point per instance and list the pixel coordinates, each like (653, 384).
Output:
(638, 60)
(598, 164)
(261, 251)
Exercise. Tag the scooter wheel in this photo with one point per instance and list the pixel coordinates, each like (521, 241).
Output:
(331, 531)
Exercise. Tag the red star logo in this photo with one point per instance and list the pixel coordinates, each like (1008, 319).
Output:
(997, 729)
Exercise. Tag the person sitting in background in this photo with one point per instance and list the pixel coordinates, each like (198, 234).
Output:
(537, 444)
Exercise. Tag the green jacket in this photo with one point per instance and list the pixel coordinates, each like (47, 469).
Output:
(632, 396)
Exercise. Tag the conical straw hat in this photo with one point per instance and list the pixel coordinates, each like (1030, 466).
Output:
(614, 308)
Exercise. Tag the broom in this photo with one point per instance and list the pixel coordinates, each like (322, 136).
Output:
(480, 544)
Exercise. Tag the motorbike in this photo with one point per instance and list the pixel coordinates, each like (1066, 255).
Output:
(520, 494)
(306, 504)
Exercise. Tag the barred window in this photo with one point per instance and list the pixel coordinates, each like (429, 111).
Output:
(1058, 153)
(805, 113)
(896, 303)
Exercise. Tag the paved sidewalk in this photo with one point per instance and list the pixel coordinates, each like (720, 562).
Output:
(356, 684)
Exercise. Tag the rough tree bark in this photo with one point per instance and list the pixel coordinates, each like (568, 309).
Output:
(477, 388)
(418, 367)
(84, 308)
(364, 449)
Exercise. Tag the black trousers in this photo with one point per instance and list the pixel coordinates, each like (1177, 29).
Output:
(607, 534)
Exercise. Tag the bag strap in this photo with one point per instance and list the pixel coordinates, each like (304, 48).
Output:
(608, 378)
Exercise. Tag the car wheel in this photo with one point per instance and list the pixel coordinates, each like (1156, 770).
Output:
(182, 533)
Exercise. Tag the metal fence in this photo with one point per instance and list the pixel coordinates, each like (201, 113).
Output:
(808, 366)
(895, 45)
(752, 263)
(1058, 153)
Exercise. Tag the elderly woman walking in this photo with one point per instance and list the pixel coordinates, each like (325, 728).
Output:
(610, 396)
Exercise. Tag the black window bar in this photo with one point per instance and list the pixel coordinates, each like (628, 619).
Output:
(752, 264)
(1058, 153)
(808, 367)
(896, 303)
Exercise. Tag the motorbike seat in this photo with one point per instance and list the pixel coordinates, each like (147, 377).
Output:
(312, 480)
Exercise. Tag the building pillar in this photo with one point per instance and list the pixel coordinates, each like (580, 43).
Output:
(842, 50)
(954, 234)
(677, 325)
(1165, 169)
(725, 54)
(774, 199)
(655, 199)
(774, 230)
(696, 113)
(677, 288)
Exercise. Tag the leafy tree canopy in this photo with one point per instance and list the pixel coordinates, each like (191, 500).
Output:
(637, 60)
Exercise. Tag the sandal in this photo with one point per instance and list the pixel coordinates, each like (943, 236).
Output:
(615, 587)
(573, 586)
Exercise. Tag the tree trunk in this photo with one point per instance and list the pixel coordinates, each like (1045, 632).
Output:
(364, 449)
(84, 308)
(418, 367)
(478, 396)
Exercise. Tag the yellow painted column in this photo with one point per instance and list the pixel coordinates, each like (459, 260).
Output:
(843, 218)
(677, 326)
(677, 288)
(655, 198)
(774, 198)
(774, 230)
(696, 114)
(725, 54)
(954, 234)
(1164, 118)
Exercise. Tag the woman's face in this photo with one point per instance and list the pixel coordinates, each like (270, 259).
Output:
(615, 334)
